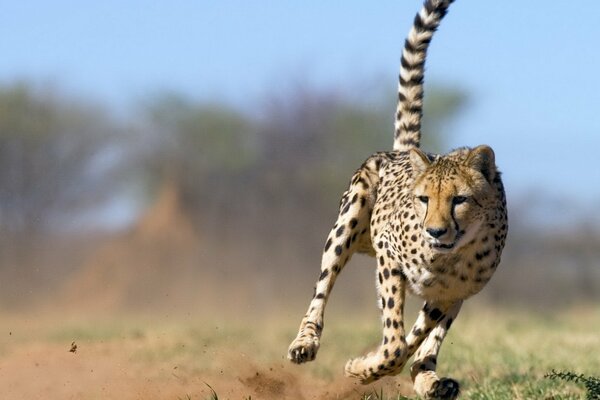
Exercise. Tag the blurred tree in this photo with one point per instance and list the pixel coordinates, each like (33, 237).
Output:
(278, 174)
(203, 149)
(51, 166)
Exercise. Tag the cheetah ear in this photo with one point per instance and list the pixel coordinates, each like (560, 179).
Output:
(419, 161)
(482, 159)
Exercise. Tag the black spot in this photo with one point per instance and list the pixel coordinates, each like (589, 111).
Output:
(413, 238)
(328, 244)
(338, 250)
(353, 223)
(380, 279)
(435, 314)
(385, 340)
(396, 324)
(324, 273)
(364, 183)
(388, 322)
(381, 260)
(320, 296)
(386, 273)
(336, 268)
(348, 242)
(391, 305)
(339, 232)
(386, 353)
(396, 272)
(398, 352)
(345, 209)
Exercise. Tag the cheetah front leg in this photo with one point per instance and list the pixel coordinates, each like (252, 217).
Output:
(349, 234)
(391, 355)
(425, 381)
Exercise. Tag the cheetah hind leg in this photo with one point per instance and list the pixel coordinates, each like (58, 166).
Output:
(349, 234)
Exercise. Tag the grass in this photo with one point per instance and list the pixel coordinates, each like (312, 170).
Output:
(494, 354)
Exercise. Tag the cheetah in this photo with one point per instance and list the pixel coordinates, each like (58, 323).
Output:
(436, 225)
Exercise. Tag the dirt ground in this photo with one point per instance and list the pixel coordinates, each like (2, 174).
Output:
(177, 361)
(495, 354)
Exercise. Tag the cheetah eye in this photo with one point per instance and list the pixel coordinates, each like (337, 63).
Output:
(458, 200)
(423, 199)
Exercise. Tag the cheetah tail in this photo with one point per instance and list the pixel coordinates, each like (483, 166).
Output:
(409, 111)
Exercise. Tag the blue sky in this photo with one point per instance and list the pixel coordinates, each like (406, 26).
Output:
(532, 68)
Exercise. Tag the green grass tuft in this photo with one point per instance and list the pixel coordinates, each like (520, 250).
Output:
(591, 384)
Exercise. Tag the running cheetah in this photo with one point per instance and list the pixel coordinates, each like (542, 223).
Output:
(436, 225)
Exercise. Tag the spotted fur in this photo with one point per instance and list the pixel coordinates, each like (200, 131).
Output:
(436, 225)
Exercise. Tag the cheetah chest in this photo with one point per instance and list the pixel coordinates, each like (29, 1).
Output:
(449, 277)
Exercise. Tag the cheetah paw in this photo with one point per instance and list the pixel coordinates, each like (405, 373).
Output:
(303, 349)
(444, 389)
(358, 368)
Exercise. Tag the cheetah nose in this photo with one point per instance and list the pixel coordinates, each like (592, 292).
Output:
(437, 232)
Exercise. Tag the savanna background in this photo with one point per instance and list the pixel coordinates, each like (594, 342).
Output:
(168, 175)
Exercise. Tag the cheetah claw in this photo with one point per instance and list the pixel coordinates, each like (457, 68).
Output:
(303, 349)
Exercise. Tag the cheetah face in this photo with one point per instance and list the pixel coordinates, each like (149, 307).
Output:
(450, 195)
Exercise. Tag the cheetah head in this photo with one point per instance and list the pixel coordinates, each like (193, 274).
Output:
(452, 193)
